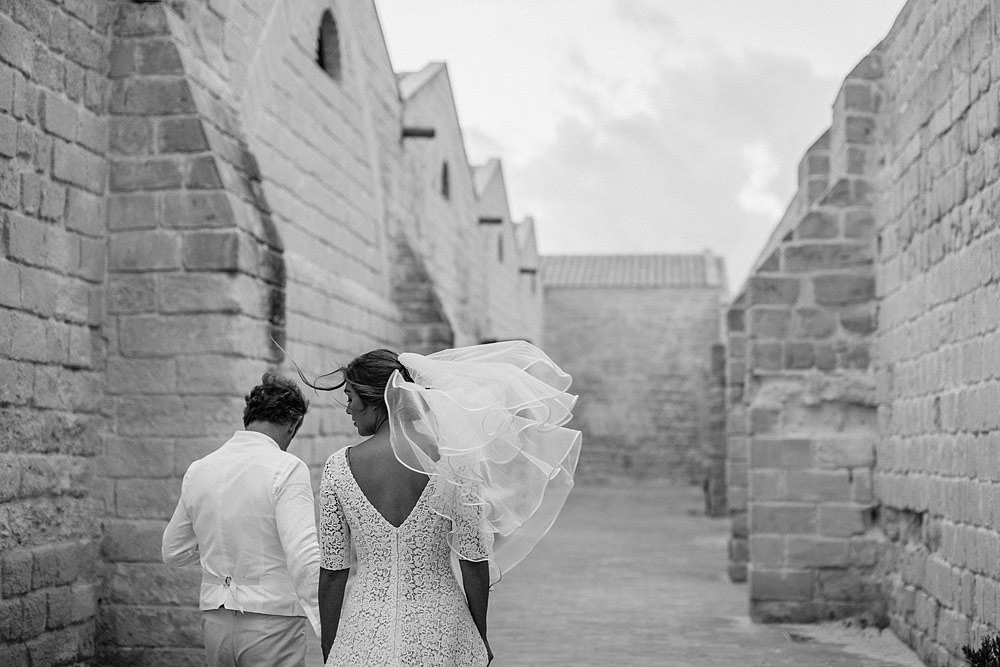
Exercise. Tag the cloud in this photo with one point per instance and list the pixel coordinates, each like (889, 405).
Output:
(644, 16)
(710, 162)
(757, 195)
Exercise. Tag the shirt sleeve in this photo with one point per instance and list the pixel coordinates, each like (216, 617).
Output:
(470, 538)
(180, 544)
(295, 516)
(335, 534)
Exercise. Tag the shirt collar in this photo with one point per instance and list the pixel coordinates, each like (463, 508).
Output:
(252, 437)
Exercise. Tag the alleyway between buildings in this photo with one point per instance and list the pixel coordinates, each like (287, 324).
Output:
(634, 577)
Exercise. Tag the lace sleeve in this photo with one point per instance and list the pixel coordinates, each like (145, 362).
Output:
(334, 533)
(470, 537)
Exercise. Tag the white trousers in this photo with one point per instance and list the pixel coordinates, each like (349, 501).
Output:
(245, 639)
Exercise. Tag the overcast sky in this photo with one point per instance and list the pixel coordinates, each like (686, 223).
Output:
(642, 126)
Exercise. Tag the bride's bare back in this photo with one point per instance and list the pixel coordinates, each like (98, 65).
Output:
(391, 488)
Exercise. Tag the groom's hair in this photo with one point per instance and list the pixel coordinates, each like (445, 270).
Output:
(276, 399)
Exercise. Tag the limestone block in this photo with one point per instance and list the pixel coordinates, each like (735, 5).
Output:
(14, 655)
(785, 585)
(59, 116)
(17, 46)
(846, 452)
(154, 584)
(767, 485)
(131, 294)
(799, 355)
(782, 517)
(60, 607)
(216, 374)
(131, 135)
(74, 164)
(132, 211)
(202, 173)
(146, 498)
(85, 47)
(818, 224)
(848, 586)
(84, 602)
(144, 251)
(159, 96)
(181, 135)
(197, 209)
(178, 416)
(819, 485)
(147, 174)
(766, 356)
(817, 552)
(826, 256)
(781, 453)
(770, 322)
(33, 615)
(128, 376)
(54, 648)
(839, 289)
(842, 519)
(15, 567)
(140, 20)
(157, 56)
(8, 136)
(765, 551)
(777, 291)
(133, 540)
(54, 475)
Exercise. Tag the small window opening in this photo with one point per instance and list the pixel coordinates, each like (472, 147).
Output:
(328, 46)
(445, 182)
(500, 249)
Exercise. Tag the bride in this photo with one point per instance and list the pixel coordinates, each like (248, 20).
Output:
(465, 460)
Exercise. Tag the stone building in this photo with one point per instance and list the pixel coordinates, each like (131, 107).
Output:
(637, 334)
(863, 369)
(181, 184)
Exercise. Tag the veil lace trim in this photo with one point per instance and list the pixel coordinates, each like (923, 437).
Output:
(490, 421)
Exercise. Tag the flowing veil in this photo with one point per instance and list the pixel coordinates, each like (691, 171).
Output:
(489, 419)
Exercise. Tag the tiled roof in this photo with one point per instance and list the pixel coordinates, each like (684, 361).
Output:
(701, 270)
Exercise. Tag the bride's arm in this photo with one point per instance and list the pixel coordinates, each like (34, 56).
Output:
(331, 602)
(476, 579)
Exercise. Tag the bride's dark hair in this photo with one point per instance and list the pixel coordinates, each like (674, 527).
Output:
(368, 374)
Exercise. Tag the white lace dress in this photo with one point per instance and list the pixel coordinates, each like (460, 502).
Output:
(405, 607)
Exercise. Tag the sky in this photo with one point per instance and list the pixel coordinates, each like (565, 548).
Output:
(642, 126)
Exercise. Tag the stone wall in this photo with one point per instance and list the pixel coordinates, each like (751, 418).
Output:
(938, 343)
(185, 194)
(643, 394)
(863, 380)
(53, 410)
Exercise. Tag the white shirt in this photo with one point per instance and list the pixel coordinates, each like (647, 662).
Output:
(246, 511)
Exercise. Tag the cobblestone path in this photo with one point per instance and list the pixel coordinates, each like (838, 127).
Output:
(634, 576)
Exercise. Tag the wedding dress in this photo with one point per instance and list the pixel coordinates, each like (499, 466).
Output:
(405, 607)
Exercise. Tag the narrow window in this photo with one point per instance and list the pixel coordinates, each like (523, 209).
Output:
(500, 249)
(445, 182)
(328, 46)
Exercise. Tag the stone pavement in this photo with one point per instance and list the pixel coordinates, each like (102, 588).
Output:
(634, 576)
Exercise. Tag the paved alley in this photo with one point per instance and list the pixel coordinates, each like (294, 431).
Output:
(634, 576)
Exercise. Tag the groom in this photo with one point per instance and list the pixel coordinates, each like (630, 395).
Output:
(246, 513)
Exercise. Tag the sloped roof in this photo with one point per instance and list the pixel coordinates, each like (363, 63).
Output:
(482, 175)
(701, 270)
(411, 82)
